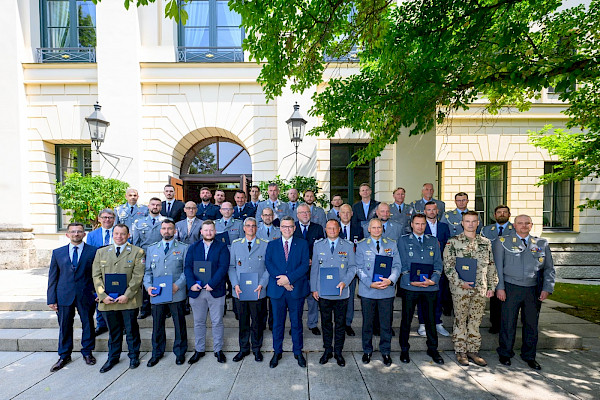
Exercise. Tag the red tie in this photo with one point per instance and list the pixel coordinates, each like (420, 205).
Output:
(286, 250)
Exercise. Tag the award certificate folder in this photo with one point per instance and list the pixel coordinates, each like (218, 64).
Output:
(248, 285)
(329, 278)
(202, 272)
(223, 237)
(165, 285)
(382, 267)
(115, 284)
(419, 272)
(466, 269)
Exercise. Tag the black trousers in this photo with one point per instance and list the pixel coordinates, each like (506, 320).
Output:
(385, 307)
(146, 306)
(337, 309)
(495, 312)
(251, 316)
(159, 338)
(66, 316)
(427, 301)
(268, 316)
(117, 320)
(524, 299)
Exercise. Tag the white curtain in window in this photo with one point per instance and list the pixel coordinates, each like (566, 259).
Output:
(228, 26)
(58, 23)
(196, 30)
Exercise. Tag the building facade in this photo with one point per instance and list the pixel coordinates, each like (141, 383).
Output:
(185, 108)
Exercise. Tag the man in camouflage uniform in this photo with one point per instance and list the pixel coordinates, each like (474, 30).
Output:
(469, 297)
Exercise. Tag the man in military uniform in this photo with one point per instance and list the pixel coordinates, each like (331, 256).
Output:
(333, 252)
(130, 211)
(206, 209)
(469, 297)
(293, 202)
(417, 247)
(453, 218)
(266, 230)
(188, 230)
(317, 214)
(427, 193)
(228, 224)
(146, 231)
(248, 256)
(280, 208)
(120, 258)
(502, 227)
(400, 212)
(525, 279)
(242, 210)
(166, 258)
(390, 229)
(377, 295)
(336, 203)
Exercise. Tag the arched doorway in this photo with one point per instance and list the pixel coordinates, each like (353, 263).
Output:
(218, 163)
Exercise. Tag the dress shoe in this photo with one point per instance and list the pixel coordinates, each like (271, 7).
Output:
(258, 356)
(387, 360)
(421, 330)
(90, 360)
(325, 357)
(476, 358)
(134, 363)
(221, 357)
(153, 361)
(441, 330)
(533, 364)
(301, 360)
(393, 332)
(197, 355)
(180, 360)
(240, 356)
(404, 357)
(462, 359)
(350, 331)
(504, 360)
(366, 358)
(435, 356)
(316, 331)
(108, 366)
(101, 330)
(275, 360)
(60, 363)
(340, 360)
(188, 310)
(143, 315)
(494, 330)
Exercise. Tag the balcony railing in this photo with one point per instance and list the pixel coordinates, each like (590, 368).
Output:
(210, 54)
(66, 54)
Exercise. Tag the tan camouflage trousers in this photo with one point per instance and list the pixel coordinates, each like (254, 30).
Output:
(468, 312)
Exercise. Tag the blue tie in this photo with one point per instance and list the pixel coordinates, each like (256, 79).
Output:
(345, 233)
(420, 240)
(332, 247)
(107, 238)
(75, 260)
(166, 248)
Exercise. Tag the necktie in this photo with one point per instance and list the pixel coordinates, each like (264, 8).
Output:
(293, 207)
(75, 258)
(153, 221)
(524, 242)
(332, 247)
(420, 240)
(383, 228)
(337, 214)
(190, 225)
(240, 210)
(118, 251)
(166, 248)
(500, 229)
(345, 232)
(304, 231)
(378, 246)
(249, 246)
(107, 238)
(286, 249)
(225, 223)
(268, 232)
(168, 208)
(131, 210)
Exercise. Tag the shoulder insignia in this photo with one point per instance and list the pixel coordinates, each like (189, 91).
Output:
(319, 240)
(493, 228)
(361, 240)
(454, 213)
(510, 227)
(239, 240)
(257, 241)
(368, 240)
(502, 239)
(384, 240)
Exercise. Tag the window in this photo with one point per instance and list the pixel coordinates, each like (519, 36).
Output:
(68, 31)
(69, 159)
(216, 156)
(212, 33)
(490, 189)
(558, 201)
(438, 180)
(346, 181)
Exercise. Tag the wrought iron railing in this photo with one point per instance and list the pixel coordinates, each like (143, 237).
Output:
(210, 54)
(66, 54)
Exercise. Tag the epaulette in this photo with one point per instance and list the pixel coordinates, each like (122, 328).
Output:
(384, 240)
(453, 213)
(368, 241)
(361, 240)
(319, 240)
(257, 241)
(238, 240)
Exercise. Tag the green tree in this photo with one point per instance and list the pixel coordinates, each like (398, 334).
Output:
(204, 162)
(302, 183)
(85, 196)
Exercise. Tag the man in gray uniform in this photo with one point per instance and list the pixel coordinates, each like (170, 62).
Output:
(130, 211)
(453, 218)
(377, 295)
(266, 230)
(188, 230)
(502, 227)
(333, 252)
(280, 208)
(248, 256)
(336, 203)
(166, 258)
(293, 202)
(228, 224)
(390, 229)
(525, 279)
(427, 192)
(400, 212)
(317, 214)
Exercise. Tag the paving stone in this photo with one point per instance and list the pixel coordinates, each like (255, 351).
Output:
(9, 338)
(9, 357)
(330, 381)
(25, 373)
(568, 371)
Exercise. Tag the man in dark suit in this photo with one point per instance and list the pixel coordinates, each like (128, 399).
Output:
(364, 210)
(206, 209)
(310, 232)
(172, 208)
(242, 210)
(210, 297)
(287, 262)
(70, 287)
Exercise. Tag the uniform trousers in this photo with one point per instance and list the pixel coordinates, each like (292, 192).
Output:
(439, 302)
(66, 316)
(524, 299)
(495, 312)
(385, 308)
(338, 308)
(409, 302)
(117, 320)
(468, 313)
(313, 312)
(251, 323)
(159, 338)
(350, 310)
(201, 306)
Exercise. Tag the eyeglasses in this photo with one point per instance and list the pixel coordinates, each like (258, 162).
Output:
(250, 226)
(76, 232)
(190, 208)
(286, 227)
(109, 217)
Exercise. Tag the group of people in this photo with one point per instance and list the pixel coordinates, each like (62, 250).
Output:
(274, 255)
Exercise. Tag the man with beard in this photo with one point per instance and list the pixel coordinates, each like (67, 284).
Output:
(317, 214)
(207, 210)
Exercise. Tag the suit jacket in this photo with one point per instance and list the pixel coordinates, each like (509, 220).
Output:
(186, 237)
(94, 238)
(356, 233)
(358, 213)
(295, 268)
(177, 213)
(313, 233)
(218, 255)
(247, 211)
(65, 283)
(443, 234)
(211, 211)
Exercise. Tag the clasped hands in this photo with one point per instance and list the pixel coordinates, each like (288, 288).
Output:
(382, 284)
(283, 280)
